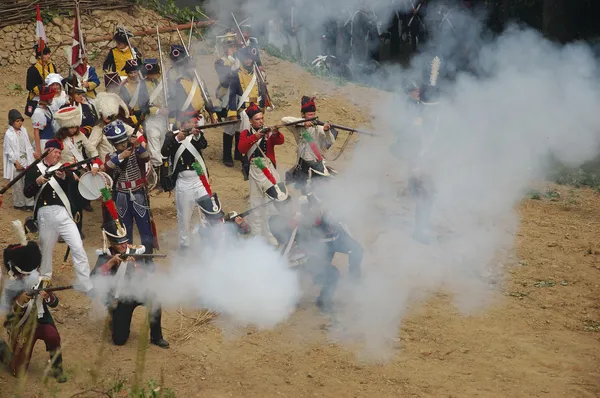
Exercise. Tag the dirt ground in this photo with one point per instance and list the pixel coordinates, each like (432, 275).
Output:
(535, 341)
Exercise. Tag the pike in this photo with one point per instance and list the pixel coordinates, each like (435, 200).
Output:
(22, 174)
(261, 80)
(205, 96)
(163, 74)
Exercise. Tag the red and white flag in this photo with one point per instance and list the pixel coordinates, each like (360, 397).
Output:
(40, 33)
(78, 47)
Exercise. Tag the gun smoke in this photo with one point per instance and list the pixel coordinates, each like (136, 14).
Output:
(529, 98)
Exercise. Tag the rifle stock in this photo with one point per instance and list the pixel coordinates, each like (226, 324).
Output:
(33, 292)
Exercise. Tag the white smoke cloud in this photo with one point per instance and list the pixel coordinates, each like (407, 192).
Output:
(245, 280)
(481, 146)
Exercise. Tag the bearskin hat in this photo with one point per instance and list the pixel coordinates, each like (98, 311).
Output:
(307, 104)
(108, 104)
(22, 259)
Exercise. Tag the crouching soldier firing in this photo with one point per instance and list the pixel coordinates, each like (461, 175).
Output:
(118, 258)
(29, 317)
(310, 240)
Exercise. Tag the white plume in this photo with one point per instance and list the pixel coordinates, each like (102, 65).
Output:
(18, 227)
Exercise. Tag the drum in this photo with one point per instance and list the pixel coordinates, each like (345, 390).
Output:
(90, 185)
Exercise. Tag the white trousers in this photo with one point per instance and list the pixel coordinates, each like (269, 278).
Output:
(188, 188)
(258, 185)
(156, 129)
(19, 199)
(54, 221)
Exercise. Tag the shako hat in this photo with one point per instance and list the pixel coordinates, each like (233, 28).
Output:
(115, 132)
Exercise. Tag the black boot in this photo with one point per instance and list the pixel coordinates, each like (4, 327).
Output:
(57, 370)
(237, 155)
(227, 143)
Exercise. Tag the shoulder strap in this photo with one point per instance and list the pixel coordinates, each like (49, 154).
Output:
(136, 95)
(73, 149)
(190, 96)
(55, 185)
(187, 144)
(157, 90)
(247, 91)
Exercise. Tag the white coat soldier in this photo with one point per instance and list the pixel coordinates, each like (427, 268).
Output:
(125, 271)
(52, 211)
(18, 154)
(182, 150)
(313, 142)
(258, 144)
(155, 126)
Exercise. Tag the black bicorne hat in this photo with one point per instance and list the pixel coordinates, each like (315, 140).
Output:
(122, 35)
(211, 206)
(19, 259)
(278, 192)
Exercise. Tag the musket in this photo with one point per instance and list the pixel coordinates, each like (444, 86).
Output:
(33, 292)
(49, 174)
(124, 256)
(207, 126)
(261, 81)
(344, 128)
(249, 211)
(22, 173)
(133, 53)
(205, 96)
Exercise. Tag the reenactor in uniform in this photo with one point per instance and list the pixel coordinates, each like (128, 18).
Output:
(36, 77)
(120, 54)
(155, 126)
(313, 141)
(52, 212)
(181, 152)
(243, 90)
(133, 90)
(113, 261)
(258, 145)
(126, 166)
(29, 318)
(227, 68)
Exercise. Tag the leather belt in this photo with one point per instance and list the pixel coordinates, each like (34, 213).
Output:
(131, 184)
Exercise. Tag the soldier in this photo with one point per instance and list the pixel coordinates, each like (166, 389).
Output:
(112, 82)
(52, 212)
(133, 90)
(88, 110)
(29, 318)
(126, 167)
(76, 147)
(227, 67)
(121, 53)
(186, 98)
(125, 270)
(110, 107)
(155, 125)
(313, 141)
(258, 145)
(88, 82)
(36, 76)
(182, 150)
(311, 238)
(243, 90)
